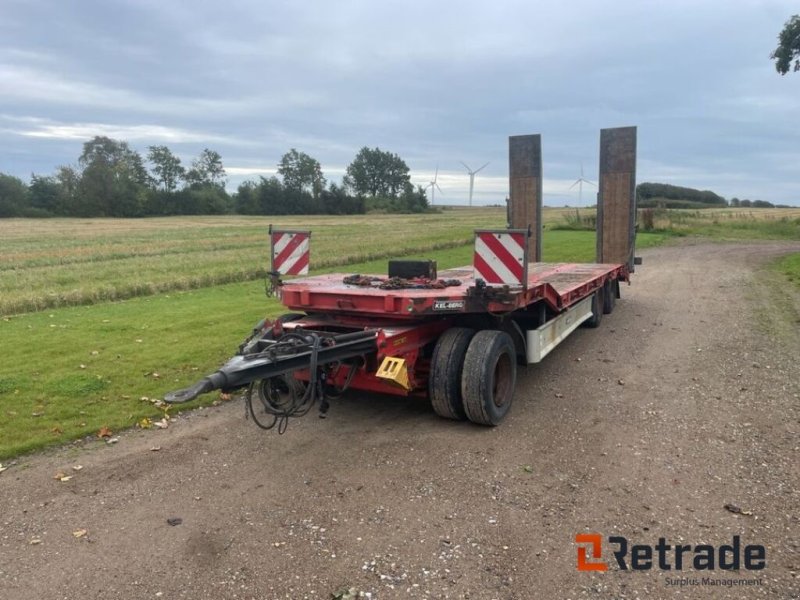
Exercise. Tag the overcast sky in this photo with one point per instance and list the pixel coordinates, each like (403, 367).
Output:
(435, 82)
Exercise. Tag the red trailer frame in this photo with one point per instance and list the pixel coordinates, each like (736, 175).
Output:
(455, 337)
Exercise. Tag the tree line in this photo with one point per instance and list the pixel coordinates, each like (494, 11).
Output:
(111, 179)
(664, 195)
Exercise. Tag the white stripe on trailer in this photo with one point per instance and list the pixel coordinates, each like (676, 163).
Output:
(280, 243)
(497, 265)
(288, 265)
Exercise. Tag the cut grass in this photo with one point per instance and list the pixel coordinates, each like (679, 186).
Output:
(68, 372)
(64, 262)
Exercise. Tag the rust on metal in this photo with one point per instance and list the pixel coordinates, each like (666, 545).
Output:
(525, 184)
(616, 202)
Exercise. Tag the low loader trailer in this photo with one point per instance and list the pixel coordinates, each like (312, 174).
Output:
(454, 336)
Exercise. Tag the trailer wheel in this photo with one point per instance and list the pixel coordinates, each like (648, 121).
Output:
(490, 373)
(598, 303)
(609, 296)
(447, 363)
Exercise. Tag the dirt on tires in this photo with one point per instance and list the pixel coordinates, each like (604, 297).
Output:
(678, 418)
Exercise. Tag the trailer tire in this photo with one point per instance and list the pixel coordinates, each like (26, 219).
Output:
(490, 373)
(598, 303)
(447, 363)
(609, 296)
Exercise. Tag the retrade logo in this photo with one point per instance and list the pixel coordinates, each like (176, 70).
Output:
(667, 557)
(595, 541)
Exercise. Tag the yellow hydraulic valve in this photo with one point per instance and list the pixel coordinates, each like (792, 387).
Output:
(394, 370)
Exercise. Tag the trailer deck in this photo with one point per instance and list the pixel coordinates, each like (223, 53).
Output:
(560, 285)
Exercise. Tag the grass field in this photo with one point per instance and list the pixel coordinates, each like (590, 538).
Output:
(187, 292)
(61, 262)
(731, 223)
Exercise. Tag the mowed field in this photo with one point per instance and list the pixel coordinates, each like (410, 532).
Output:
(100, 317)
(58, 262)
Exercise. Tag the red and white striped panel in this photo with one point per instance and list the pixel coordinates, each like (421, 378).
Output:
(290, 252)
(500, 257)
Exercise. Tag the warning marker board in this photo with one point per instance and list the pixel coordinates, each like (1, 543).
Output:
(290, 251)
(501, 257)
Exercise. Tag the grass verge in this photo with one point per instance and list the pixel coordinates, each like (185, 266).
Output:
(789, 265)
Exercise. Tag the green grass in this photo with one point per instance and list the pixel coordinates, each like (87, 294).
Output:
(789, 265)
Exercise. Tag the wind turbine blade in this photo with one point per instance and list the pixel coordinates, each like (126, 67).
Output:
(440, 189)
(574, 184)
(436, 174)
(486, 165)
(466, 166)
(590, 182)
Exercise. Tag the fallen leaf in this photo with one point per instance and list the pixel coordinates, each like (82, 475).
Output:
(527, 469)
(79, 533)
(145, 423)
(162, 424)
(104, 432)
(57, 430)
(62, 477)
(82, 366)
(154, 375)
(37, 414)
(174, 521)
(224, 396)
(621, 382)
(35, 541)
(112, 440)
(2, 468)
(155, 448)
(77, 467)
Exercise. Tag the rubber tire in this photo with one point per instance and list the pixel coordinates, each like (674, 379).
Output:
(597, 310)
(609, 296)
(444, 381)
(490, 373)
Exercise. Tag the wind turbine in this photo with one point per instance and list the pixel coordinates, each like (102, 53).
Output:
(579, 182)
(471, 177)
(433, 185)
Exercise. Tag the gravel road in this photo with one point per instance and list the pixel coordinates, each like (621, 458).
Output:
(685, 400)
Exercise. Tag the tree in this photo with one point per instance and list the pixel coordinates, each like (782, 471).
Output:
(788, 49)
(301, 172)
(167, 167)
(69, 181)
(376, 173)
(114, 181)
(207, 169)
(13, 196)
(45, 193)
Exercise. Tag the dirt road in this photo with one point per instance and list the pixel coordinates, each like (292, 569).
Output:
(684, 401)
